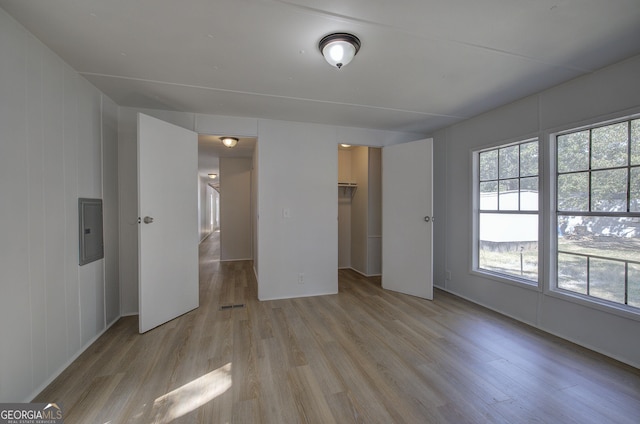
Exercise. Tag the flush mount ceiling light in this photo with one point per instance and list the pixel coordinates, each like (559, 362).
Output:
(229, 141)
(339, 48)
(213, 176)
(346, 146)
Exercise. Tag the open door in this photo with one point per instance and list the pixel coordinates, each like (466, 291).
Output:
(168, 221)
(407, 218)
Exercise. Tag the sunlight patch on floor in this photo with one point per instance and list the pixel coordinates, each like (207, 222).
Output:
(192, 395)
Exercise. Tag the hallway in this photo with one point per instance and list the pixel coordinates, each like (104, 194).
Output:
(365, 355)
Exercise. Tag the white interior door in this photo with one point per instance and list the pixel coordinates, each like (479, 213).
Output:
(168, 228)
(407, 218)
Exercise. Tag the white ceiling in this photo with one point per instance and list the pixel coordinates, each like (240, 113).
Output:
(424, 64)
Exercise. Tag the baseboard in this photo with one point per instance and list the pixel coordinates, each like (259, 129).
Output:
(205, 237)
(69, 362)
(236, 260)
(297, 296)
(363, 274)
(546, 330)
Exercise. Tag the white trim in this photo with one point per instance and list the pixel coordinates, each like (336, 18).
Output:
(555, 334)
(602, 120)
(592, 302)
(550, 281)
(236, 260)
(507, 142)
(362, 273)
(507, 279)
(206, 236)
(474, 266)
(297, 296)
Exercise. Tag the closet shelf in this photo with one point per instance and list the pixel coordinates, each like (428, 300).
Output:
(352, 187)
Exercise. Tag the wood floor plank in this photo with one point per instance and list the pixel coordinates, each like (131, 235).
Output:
(363, 399)
(277, 401)
(365, 355)
(310, 402)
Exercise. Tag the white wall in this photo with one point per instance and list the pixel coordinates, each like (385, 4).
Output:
(236, 234)
(298, 169)
(57, 143)
(613, 91)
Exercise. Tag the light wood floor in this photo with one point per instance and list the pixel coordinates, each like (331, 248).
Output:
(364, 355)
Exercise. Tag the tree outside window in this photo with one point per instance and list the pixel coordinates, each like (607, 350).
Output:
(598, 212)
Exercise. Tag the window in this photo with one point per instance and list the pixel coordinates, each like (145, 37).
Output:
(507, 221)
(598, 212)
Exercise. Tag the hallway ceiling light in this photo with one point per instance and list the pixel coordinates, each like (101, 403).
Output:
(346, 146)
(229, 141)
(213, 176)
(339, 48)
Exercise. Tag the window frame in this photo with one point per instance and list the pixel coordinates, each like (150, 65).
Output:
(550, 216)
(476, 211)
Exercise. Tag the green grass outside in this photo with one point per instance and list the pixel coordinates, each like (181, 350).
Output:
(606, 277)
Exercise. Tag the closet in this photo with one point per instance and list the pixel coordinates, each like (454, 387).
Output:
(360, 209)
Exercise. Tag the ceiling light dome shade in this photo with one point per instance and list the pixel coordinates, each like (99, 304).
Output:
(339, 49)
(229, 141)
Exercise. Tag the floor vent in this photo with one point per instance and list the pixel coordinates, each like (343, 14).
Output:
(237, 306)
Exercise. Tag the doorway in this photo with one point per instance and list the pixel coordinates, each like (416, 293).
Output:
(360, 209)
(235, 188)
(393, 238)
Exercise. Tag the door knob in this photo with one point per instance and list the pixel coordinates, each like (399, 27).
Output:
(427, 219)
(148, 220)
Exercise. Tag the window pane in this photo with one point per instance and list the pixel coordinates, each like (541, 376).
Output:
(529, 159)
(572, 273)
(598, 172)
(634, 205)
(634, 285)
(509, 162)
(573, 192)
(609, 146)
(573, 152)
(529, 194)
(606, 279)
(608, 237)
(635, 142)
(489, 165)
(609, 190)
(489, 195)
(508, 244)
(509, 195)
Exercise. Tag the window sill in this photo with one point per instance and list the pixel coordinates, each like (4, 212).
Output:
(512, 281)
(597, 304)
